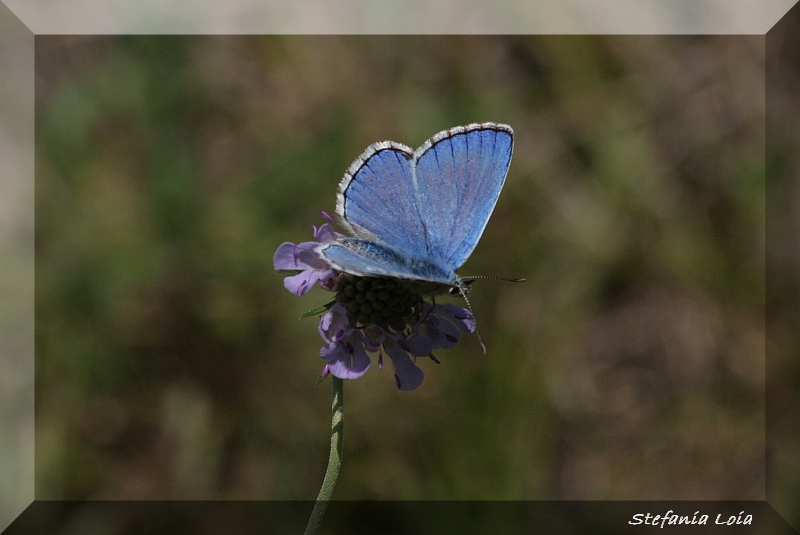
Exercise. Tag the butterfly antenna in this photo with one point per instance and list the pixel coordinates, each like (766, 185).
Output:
(489, 277)
(462, 289)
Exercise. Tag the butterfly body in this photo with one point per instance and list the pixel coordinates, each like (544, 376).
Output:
(418, 214)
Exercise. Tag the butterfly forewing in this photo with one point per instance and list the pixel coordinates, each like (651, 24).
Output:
(376, 197)
(459, 178)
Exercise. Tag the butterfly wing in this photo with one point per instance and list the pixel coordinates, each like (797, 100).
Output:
(420, 214)
(365, 257)
(376, 198)
(459, 176)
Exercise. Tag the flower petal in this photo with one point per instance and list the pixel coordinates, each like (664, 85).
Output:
(299, 256)
(285, 257)
(347, 361)
(325, 233)
(335, 324)
(301, 283)
(407, 375)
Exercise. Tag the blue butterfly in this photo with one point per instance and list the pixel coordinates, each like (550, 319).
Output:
(418, 214)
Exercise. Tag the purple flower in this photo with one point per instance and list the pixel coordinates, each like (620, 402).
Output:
(348, 344)
(345, 346)
(371, 316)
(313, 268)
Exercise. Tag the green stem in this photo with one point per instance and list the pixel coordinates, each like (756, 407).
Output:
(334, 459)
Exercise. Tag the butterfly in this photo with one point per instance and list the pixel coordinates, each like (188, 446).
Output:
(418, 214)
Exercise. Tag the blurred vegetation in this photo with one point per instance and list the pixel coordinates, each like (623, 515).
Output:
(171, 363)
(783, 267)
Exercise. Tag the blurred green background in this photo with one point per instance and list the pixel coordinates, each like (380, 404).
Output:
(171, 363)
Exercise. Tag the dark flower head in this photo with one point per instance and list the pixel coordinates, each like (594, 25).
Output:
(371, 315)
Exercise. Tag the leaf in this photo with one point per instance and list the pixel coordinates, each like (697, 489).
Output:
(319, 310)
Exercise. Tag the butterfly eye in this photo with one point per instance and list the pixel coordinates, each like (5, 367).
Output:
(463, 288)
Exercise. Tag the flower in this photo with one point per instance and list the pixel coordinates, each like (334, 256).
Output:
(371, 316)
(313, 268)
